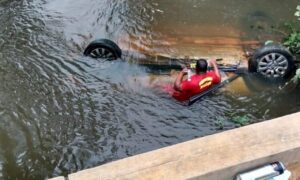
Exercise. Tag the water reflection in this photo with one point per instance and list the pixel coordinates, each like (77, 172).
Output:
(61, 112)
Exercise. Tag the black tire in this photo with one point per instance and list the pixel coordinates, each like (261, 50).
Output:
(103, 48)
(272, 62)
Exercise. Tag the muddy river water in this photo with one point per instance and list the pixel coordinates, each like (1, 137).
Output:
(61, 112)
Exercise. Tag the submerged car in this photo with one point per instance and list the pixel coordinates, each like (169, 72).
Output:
(270, 61)
(262, 69)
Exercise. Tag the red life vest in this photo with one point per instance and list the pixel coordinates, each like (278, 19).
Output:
(198, 84)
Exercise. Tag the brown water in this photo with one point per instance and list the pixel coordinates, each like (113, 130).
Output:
(61, 112)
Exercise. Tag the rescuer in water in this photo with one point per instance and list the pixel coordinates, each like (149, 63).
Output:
(203, 80)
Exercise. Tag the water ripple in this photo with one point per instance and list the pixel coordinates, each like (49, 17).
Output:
(61, 112)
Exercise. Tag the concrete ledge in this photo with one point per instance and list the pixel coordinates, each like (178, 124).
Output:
(215, 157)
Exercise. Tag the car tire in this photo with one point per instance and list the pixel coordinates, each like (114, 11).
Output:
(103, 48)
(272, 62)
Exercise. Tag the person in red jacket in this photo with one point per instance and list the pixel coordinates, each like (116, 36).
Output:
(203, 80)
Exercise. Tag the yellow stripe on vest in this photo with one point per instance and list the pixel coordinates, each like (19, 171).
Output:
(205, 82)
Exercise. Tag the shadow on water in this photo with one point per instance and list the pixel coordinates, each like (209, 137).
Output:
(61, 112)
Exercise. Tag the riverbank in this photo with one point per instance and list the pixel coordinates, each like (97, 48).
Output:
(219, 156)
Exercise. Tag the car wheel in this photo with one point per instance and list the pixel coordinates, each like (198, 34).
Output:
(103, 48)
(272, 62)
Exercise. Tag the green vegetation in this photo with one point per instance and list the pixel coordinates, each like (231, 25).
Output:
(241, 120)
(238, 120)
(297, 13)
(296, 78)
(292, 42)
